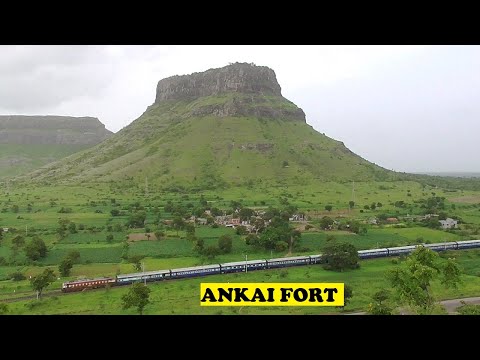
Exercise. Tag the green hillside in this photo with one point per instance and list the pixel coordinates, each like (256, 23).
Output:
(18, 159)
(179, 143)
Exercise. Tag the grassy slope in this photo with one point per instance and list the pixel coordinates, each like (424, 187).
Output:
(170, 144)
(18, 159)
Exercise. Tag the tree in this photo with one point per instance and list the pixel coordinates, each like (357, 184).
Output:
(42, 280)
(241, 230)
(125, 247)
(136, 261)
(412, 282)
(326, 222)
(351, 204)
(178, 223)
(245, 213)
(74, 256)
(328, 208)
(36, 249)
(198, 245)
(189, 228)
(65, 267)
(210, 252)
(16, 276)
(3, 308)
(17, 242)
(62, 228)
(252, 240)
(378, 306)
(451, 274)
(1, 234)
(115, 212)
(138, 296)
(340, 256)
(159, 234)
(225, 244)
(137, 219)
(347, 294)
(72, 227)
(373, 206)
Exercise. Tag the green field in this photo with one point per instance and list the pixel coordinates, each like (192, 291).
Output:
(182, 296)
(38, 214)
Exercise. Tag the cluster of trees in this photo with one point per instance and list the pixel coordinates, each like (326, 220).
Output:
(224, 246)
(278, 236)
(327, 223)
(34, 249)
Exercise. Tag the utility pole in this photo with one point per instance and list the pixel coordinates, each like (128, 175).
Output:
(144, 277)
(353, 191)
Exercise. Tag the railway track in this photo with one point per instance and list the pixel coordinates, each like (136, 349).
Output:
(363, 254)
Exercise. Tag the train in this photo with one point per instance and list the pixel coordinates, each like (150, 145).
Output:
(251, 265)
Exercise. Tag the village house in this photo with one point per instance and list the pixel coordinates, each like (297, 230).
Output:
(392, 220)
(298, 217)
(448, 223)
(202, 221)
(428, 216)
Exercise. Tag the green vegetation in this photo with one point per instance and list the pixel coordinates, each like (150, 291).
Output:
(137, 296)
(340, 256)
(412, 282)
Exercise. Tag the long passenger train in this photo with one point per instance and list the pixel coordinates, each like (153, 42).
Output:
(245, 266)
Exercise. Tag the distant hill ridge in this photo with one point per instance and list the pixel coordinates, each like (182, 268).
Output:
(29, 142)
(21, 129)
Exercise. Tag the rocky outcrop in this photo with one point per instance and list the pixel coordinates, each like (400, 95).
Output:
(239, 77)
(248, 84)
(237, 107)
(20, 129)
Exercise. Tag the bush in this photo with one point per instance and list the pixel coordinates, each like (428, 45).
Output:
(3, 308)
(16, 276)
(241, 230)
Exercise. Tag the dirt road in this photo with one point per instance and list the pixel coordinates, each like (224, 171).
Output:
(449, 305)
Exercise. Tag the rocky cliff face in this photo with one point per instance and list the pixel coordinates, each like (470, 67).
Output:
(19, 129)
(253, 90)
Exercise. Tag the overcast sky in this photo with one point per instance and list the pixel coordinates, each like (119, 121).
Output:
(406, 108)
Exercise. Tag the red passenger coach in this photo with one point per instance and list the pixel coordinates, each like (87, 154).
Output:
(79, 285)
